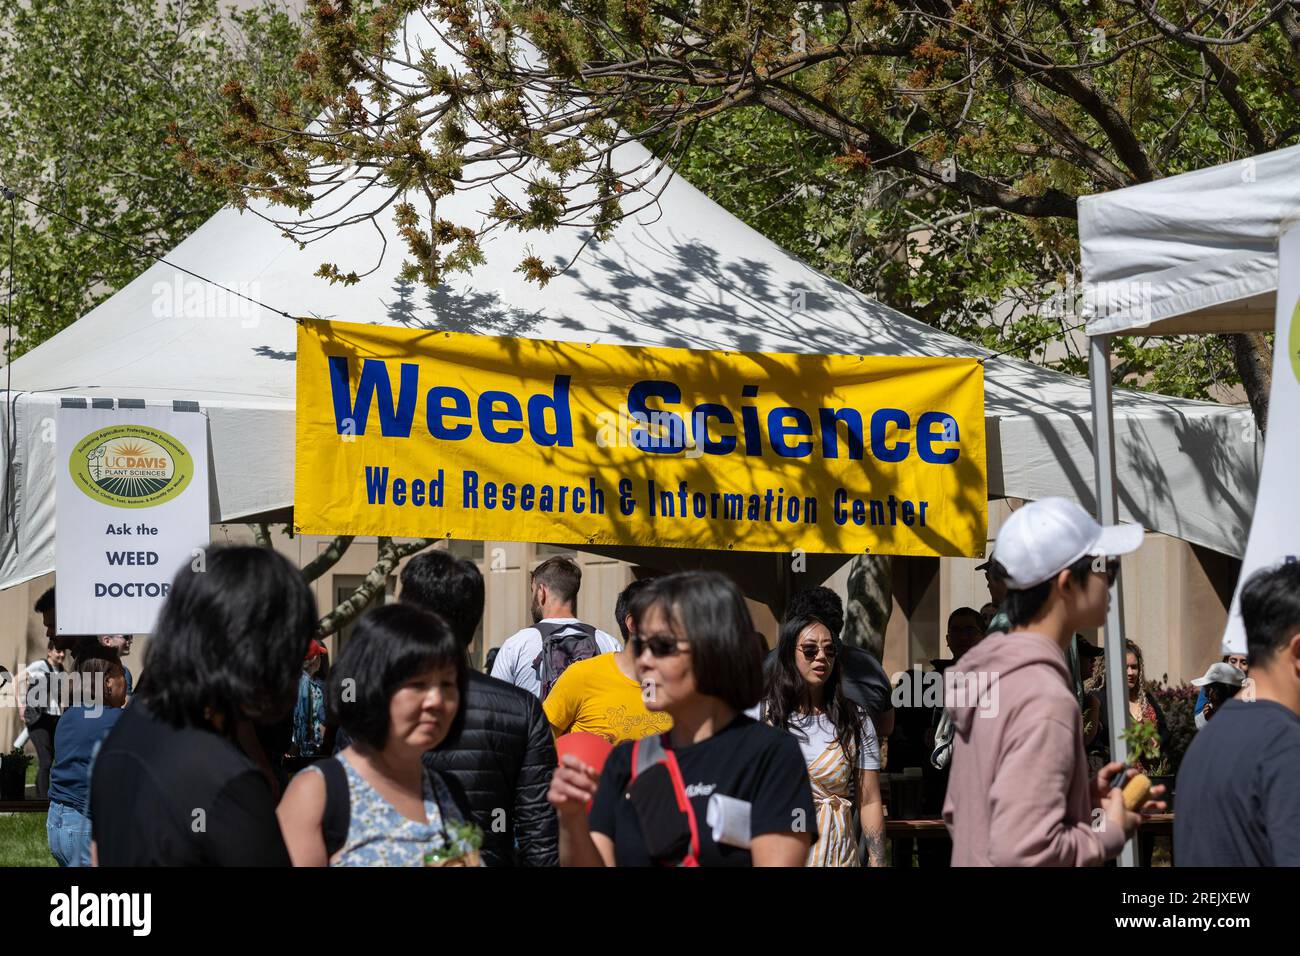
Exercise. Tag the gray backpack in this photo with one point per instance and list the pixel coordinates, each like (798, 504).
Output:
(38, 701)
(563, 643)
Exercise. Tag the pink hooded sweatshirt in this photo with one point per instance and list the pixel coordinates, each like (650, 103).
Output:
(1019, 790)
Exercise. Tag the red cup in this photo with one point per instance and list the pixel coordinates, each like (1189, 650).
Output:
(589, 748)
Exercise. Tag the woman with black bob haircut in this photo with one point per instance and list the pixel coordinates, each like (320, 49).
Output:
(395, 693)
(805, 697)
(698, 659)
(171, 786)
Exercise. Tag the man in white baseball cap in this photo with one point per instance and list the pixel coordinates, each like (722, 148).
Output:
(1019, 793)
(1046, 537)
(1220, 684)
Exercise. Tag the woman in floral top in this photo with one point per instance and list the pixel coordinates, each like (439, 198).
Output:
(1141, 705)
(395, 693)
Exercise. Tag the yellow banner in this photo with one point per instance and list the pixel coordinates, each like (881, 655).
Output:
(442, 434)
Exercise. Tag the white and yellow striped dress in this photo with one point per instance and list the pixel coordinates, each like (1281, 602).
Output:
(831, 776)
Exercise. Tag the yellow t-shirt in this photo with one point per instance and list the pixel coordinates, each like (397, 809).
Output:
(594, 697)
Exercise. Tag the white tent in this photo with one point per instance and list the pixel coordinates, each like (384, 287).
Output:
(1195, 253)
(1199, 253)
(1190, 253)
(686, 273)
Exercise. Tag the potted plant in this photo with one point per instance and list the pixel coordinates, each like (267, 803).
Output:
(1143, 743)
(13, 775)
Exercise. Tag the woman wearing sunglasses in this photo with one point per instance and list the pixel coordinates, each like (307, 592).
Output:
(719, 789)
(838, 743)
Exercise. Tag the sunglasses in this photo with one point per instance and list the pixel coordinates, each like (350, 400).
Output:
(659, 646)
(810, 652)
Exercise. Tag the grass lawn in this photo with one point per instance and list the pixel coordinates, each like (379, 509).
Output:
(23, 841)
(22, 835)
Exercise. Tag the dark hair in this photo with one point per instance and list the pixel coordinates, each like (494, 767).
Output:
(968, 612)
(1022, 606)
(821, 603)
(1218, 693)
(45, 602)
(1270, 610)
(100, 660)
(390, 645)
(562, 577)
(449, 586)
(706, 609)
(230, 640)
(624, 601)
(787, 692)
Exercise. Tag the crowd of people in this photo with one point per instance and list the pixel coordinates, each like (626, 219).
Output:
(243, 744)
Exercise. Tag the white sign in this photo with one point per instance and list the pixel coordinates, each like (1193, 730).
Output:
(1275, 530)
(131, 510)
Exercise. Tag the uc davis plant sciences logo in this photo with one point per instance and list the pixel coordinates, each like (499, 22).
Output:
(131, 466)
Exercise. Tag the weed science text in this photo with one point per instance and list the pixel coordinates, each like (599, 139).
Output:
(502, 417)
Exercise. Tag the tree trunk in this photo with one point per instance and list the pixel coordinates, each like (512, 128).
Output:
(331, 556)
(1254, 361)
(870, 601)
(390, 555)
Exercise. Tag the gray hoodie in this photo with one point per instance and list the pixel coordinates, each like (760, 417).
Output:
(1019, 792)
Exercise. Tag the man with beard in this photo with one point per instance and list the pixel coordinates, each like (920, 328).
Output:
(535, 657)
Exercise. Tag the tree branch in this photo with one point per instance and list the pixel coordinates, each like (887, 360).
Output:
(886, 154)
(390, 555)
(330, 556)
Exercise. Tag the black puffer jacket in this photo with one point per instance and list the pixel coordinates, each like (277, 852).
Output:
(503, 758)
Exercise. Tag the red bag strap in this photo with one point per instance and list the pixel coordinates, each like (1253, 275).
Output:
(655, 751)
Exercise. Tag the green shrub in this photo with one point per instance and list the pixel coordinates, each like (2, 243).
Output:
(1177, 704)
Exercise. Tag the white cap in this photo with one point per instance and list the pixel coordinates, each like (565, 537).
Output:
(1045, 537)
(1221, 673)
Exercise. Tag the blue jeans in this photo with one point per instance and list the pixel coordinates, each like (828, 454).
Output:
(69, 835)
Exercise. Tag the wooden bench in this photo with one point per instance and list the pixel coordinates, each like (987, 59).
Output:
(24, 806)
(1156, 824)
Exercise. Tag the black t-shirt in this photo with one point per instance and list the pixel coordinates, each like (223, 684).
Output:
(167, 796)
(745, 760)
(865, 681)
(1238, 789)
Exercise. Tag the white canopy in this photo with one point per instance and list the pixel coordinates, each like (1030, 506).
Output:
(1189, 253)
(686, 273)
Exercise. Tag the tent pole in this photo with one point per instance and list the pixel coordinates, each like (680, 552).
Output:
(1103, 431)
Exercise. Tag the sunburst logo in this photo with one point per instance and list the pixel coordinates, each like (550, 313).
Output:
(131, 466)
(132, 449)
